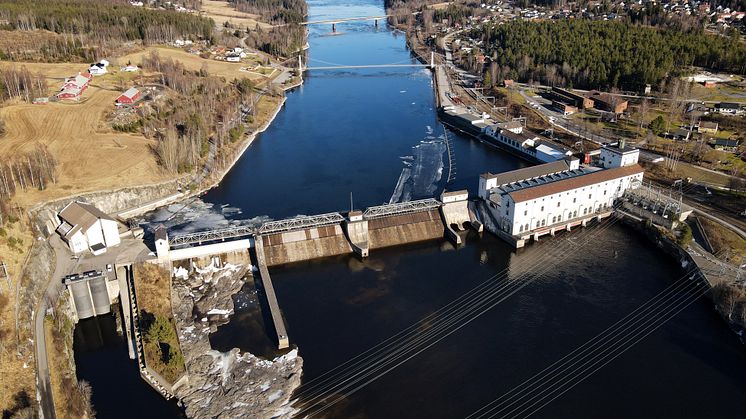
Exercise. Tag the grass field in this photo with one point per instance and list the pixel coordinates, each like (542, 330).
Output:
(193, 62)
(222, 12)
(91, 156)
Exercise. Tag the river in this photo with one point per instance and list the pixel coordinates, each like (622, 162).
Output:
(374, 133)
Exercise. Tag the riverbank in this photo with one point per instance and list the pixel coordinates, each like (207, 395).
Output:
(226, 384)
(125, 202)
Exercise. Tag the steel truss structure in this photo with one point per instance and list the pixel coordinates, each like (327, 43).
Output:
(300, 223)
(401, 208)
(211, 235)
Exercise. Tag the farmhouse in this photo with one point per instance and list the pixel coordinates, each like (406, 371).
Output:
(128, 97)
(85, 227)
(98, 68)
(73, 87)
(729, 108)
(707, 127)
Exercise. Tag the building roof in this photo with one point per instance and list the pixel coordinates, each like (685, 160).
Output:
(592, 178)
(726, 143)
(529, 172)
(620, 150)
(78, 216)
(161, 233)
(729, 105)
(708, 124)
(131, 92)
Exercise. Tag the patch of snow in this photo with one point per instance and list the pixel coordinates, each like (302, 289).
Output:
(274, 396)
(218, 312)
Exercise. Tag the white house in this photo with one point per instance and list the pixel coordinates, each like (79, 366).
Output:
(85, 227)
(99, 68)
(618, 156)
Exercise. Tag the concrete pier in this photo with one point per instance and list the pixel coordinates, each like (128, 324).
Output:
(455, 211)
(269, 290)
(357, 232)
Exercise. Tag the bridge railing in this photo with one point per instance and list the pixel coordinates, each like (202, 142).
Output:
(299, 223)
(401, 208)
(211, 235)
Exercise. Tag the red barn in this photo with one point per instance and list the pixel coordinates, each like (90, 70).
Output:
(70, 93)
(129, 97)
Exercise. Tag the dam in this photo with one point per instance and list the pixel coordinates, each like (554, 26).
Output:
(306, 238)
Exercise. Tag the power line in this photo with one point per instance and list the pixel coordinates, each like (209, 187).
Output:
(422, 341)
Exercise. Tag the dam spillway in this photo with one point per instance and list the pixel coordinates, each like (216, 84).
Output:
(306, 244)
(394, 230)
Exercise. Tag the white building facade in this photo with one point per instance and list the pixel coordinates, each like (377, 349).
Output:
(618, 156)
(86, 228)
(560, 200)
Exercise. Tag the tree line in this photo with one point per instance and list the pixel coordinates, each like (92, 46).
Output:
(97, 26)
(274, 11)
(20, 83)
(34, 169)
(598, 54)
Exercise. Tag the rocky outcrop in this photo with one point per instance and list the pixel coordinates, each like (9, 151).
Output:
(225, 384)
(44, 216)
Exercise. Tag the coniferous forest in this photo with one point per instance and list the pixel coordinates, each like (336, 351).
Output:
(596, 54)
(86, 28)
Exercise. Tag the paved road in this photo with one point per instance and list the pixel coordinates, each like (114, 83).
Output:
(129, 251)
(63, 265)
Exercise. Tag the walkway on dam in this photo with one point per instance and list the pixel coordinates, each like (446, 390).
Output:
(269, 291)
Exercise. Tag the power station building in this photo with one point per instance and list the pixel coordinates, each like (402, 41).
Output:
(531, 202)
(85, 227)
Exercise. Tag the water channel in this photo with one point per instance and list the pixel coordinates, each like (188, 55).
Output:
(374, 133)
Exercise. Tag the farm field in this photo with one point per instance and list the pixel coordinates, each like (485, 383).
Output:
(91, 156)
(222, 12)
(193, 62)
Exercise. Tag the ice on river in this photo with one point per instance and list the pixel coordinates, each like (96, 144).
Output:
(196, 215)
(422, 171)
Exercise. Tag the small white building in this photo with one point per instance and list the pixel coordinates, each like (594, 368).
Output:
(84, 227)
(618, 156)
(99, 68)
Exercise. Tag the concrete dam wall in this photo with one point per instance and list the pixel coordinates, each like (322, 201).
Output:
(406, 228)
(310, 243)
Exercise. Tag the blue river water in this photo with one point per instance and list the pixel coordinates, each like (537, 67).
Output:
(374, 133)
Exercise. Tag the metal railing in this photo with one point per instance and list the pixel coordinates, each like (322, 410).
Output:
(299, 223)
(211, 235)
(401, 208)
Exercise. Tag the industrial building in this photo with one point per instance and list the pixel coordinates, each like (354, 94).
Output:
(86, 228)
(606, 102)
(570, 98)
(531, 202)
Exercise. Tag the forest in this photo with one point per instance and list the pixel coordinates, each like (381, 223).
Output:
(597, 54)
(87, 29)
(207, 111)
(274, 11)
